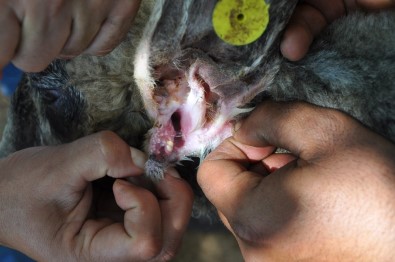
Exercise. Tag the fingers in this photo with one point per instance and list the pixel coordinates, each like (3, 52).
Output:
(42, 36)
(99, 34)
(240, 189)
(153, 225)
(306, 23)
(84, 26)
(175, 200)
(9, 35)
(303, 129)
(96, 156)
(114, 28)
(233, 171)
(138, 238)
(272, 163)
(312, 16)
(65, 29)
(137, 201)
(224, 176)
(142, 222)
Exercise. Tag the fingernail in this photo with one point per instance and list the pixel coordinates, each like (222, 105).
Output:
(66, 57)
(236, 127)
(123, 182)
(139, 158)
(93, 52)
(172, 172)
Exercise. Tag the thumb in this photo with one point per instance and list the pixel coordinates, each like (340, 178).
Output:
(225, 175)
(301, 128)
(98, 155)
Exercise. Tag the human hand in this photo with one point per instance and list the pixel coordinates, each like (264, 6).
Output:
(46, 208)
(312, 16)
(332, 199)
(35, 32)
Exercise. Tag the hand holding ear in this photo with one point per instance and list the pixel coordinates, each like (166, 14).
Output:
(332, 199)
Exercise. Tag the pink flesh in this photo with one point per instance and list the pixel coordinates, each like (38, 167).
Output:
(160, 138)
(185, 104)
(168, 136)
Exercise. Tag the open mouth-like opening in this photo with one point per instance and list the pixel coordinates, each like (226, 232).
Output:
(186, 106)
(176, 122)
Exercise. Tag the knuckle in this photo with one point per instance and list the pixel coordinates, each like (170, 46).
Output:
(167, 255)
(80, 39)
(326, 129)
(246, 233)
(148, 248)
(103, 137)
(340, 128)
(126, 9)
(109, 41)
(71, 52)
(107, 142)
(55, 7)
(116, 21)
(104, 45)
(144, 201)
(332, 126)
(102, 51)
(75, 47)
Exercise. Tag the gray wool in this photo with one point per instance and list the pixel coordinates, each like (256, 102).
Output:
(350, 67)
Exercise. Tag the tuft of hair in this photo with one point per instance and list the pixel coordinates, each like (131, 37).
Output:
(154, 169)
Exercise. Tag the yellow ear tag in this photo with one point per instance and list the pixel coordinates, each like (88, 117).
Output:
(240, 22)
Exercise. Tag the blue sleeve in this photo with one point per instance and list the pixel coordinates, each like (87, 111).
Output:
(10, 255)
(10, 79)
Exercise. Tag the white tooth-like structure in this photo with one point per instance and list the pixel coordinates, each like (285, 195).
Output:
(169, 146)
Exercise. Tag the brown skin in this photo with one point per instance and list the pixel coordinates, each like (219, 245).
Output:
(38, 31)
(312, 16)
(332, 199)
(47, 196)
(48, 219)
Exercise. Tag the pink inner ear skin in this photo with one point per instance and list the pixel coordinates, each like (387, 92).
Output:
(189, 117)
